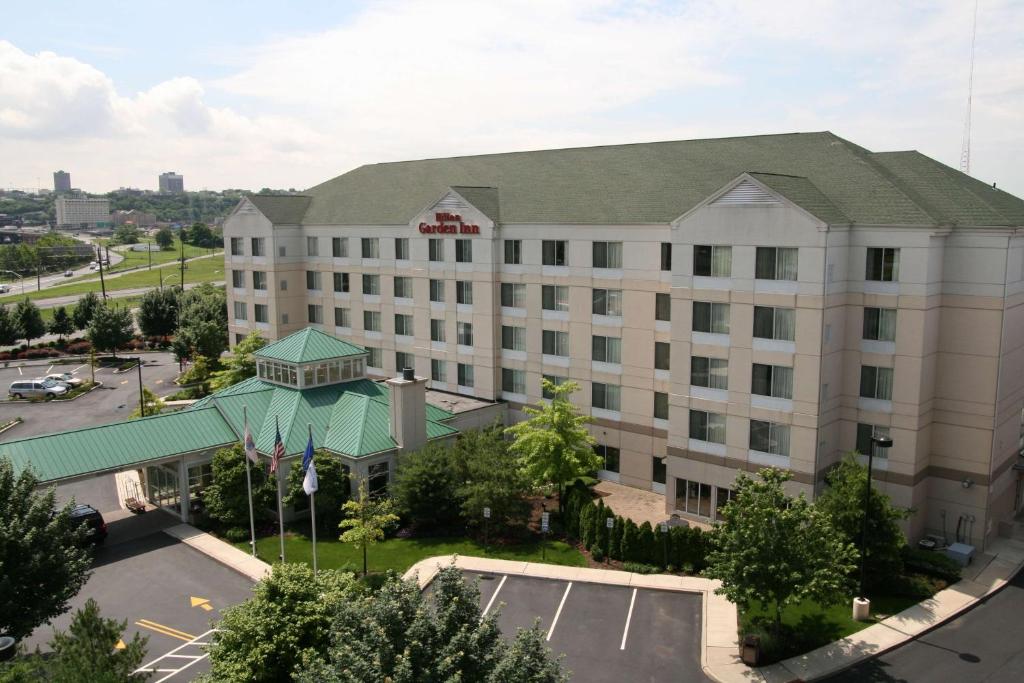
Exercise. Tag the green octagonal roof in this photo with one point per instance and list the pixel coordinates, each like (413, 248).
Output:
(308, 346)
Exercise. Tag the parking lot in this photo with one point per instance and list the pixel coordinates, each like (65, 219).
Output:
(607, 633)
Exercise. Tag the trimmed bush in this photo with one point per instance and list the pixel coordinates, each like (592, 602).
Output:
(630, 541)
(930, 563)
(615, 543)
(646, 544)
(640, 568)
(78, 347)
(597, 554)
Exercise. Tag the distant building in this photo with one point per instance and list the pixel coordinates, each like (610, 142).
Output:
(139, 219)
(61, 181)
(82, 213)
(171, 183)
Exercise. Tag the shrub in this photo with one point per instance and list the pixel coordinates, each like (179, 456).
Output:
(597, 554)
(236, 534)
(645, 550)
(615, 543)
(640, 568)
(78, 347)
(630, 541)
(930, 563)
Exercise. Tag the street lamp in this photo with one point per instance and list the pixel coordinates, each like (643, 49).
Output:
(861, 605)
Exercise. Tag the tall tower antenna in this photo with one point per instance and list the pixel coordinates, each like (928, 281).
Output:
(965, 148)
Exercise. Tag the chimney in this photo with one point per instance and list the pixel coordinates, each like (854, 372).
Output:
(408, 410)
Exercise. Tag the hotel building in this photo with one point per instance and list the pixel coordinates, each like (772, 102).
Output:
(723, 304)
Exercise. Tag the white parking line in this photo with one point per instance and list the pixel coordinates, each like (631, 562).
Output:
(48, 370)
(152, 668)
(19, 371)
(495, 595)
(629, 615)
(78, 368)
(559, 612)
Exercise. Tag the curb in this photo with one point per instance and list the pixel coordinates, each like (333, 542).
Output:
(11, 425)
(224, 553)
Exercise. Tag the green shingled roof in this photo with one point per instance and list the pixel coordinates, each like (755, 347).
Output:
(307, 346)
(281, 209)
(658, 182)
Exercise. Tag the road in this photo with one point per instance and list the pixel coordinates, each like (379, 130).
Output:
(115, 294)
(30, 284)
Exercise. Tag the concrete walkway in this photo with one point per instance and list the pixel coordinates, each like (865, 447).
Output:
(632, 503)
(225, 553)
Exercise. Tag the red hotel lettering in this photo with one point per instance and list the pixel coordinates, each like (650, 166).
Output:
(449, 229)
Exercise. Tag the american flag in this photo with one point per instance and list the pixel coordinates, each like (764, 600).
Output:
(278, 451)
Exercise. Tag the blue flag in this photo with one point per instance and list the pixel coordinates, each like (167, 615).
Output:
(309, 482)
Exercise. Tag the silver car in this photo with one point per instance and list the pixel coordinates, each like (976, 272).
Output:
(65, 378)
(37, 388)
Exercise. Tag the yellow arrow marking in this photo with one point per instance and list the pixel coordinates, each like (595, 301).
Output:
(120, 645)
(199, 602)
(124, 382)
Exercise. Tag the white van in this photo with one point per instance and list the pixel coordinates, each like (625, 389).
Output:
(36, 388)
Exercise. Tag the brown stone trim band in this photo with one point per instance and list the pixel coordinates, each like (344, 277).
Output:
(630, 427)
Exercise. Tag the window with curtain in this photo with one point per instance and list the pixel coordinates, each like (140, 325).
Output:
(772, 380)
(710, 317)
(236, 246)
(554, 297)
(712, 373)
(437, 291)
(553, 252)
(774, 323)
(660, 406)
(342, 317)
(463, 250)
(705, 426)
(464, 333)
(404, 360)
(403, 287)
(555, 343)
(436, 249)
(880, 324)
(259, 279)
(240, 310)
(237, 278)
(371, 321)
(607, 302)
(662, 352)
(464, 292)
(513, 295)
(339, 247)
(401, 248)
(666, 256)
(341, 283)
(776, 263)
(261, 313)
(315, 313)
(883, 264)
(605, 396)
(513, 381)
(606, 349)
(610, 456)
(513, 338)
(513, 252)
(436, 330)
(403, 326)
(371, 284)
(554, 379)
(258, 245)
(712, 261)
(438, 370)
(607, 254)
(370, 247)
(662, 307)
(312, 280)
(465, 373)
(864, 434)
(312, 246)
(769, 437)
(876, 382)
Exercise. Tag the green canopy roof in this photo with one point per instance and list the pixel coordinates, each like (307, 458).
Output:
(308, 346)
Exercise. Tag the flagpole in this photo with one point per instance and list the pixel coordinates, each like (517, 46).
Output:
(312, 509)
(280, 510)
(248, 482)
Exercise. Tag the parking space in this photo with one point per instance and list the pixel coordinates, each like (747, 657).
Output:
(607, 633)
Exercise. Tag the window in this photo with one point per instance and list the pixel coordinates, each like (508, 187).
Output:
(768, 437)
(374, 358)
(261, 313)
(403, 287)
(236, 246)
(258, 246)
(662, 351)
(723, 496)
(554, 298)
(282, 251)
(341, 283)
(284, 318)
(776, 263)
(284, 285)
(772, 380)
(370, 247)
(315, 313)
(712, 261)
(403, 360)
(465, 373)
(659, 469)
(712, 373)
(463, 251)
(403, 326)
(438, 370)
(371, 321)
(342, 317)
(880, 324)
(312, 246)
(662, 307)
(464, 333)
(436, 249)
(605, 396)
(436, 330)
(660, 406)
(774, 323)
(437, 291)
(377, 481)
(339, 247)
(259, 279)
(666, 256)
(464, 292)
(607, 254)
(513, 295)
(554, 379)
(609, 456)
(706, 426)
(553, 252)
(513, 252)
(402, 248)
(864, 434)
(513, 381)
(371, 284)
(693, 497)
(607, 349)
(883, 264)
(555, 343)
(710, 317)
(238, 278)
(876, 382)
(240, 310)
(607, 302)
(513, 338)
(312, 280)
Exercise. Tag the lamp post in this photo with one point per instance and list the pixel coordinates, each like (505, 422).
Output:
(861, 604)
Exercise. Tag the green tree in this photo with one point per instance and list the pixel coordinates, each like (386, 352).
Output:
(227, 496)
(843, 503)
(333, 487)
(44, 563)
(87, 652)
(290, 613)
(29, 321)
(8, 327)
(154, 405)
(85, 309)
(489, 477)
(126, 233)
(630, 541)
(528, 660)
(366, 519)
(554, 445)
(204, 322)
(241, 364)
(777, 550)
(158, 312)
(200, 235)
(111, 327)
(425, 487)
(164, 238)
(62, 324)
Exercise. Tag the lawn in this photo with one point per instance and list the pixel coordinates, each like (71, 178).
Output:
(401, 553)
(140, 259)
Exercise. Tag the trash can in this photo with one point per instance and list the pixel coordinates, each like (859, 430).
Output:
(8, 646)
(750, 650)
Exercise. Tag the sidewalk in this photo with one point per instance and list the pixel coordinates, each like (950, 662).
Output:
(225, 553)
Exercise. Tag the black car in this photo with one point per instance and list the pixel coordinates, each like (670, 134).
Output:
(90, 516)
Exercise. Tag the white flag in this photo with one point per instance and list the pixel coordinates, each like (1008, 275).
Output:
(309, 482)
(250, 445)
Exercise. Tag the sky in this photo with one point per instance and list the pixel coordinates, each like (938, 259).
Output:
(284, 95)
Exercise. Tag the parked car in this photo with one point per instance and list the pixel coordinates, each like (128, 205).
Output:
(4, 289)
(37, 388)
(68, 273)
(66, 378)
(91, 517)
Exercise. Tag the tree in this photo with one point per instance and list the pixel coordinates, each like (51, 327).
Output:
(528, 660)
(198, 373)
(199, 235)
(164, 238)
(290, 613)
(126, 233)
(158, 312)
(8, 327)
(87, 651)
(154, 405)
(204, 322)
(85, 309)
(843, 503)
(29, 321)
(227, 496)
(62, 324)
(44, 563)
(554, 445)
(111, 327)
(425, 488)
(778, 550)
(332, 491)
(241, 365)
(490, 477)
(366, 519)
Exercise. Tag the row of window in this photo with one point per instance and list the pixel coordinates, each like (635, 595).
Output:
(781, 263)
(780, 323)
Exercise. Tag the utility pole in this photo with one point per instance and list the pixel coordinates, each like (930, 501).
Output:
(142, 397)
(183, 265)
(149, 247)
(99, 266)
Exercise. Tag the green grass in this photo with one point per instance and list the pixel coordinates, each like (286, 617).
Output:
(140, 259)
(401, 553)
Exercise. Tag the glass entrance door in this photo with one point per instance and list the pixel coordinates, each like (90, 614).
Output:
(162, 486)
